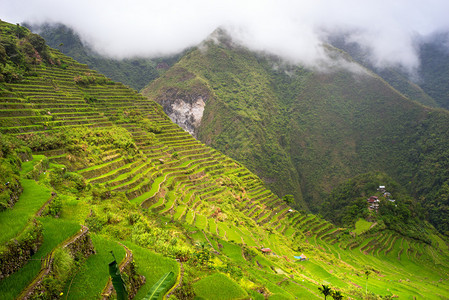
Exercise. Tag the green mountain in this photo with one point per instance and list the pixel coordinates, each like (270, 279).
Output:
(304, 132)
(428, 85)
(90, 167)
(434, 68)
(134, 72)
(396, 76)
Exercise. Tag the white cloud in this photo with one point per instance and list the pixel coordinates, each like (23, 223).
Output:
(292, 29)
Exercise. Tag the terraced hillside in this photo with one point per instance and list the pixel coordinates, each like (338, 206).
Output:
(119, 175)
(305, 131)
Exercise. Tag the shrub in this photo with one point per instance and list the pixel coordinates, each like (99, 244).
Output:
(132, 218)
(163, 241)
(53, 284)
(77, 181)
(47, 141)
(185, 291)
(289, 199)
(91, 99)
(100, 193)
(89, 78)
(56, 176)
(62, 264)
(2, 55)
(10, 163)
(249, 253)
(202, 256)
(54, 208)
(94, 223)
(150, 126)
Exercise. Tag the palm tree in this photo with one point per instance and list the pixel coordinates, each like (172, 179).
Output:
(337, 295)
(325, 290)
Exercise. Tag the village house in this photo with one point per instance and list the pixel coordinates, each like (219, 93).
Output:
(373, 202)
(266, 251)
(301, 257)
(381, 188)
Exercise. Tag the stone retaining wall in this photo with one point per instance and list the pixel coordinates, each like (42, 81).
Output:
(79, 243)
(16, 253)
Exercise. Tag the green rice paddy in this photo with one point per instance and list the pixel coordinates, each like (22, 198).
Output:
(12, 221)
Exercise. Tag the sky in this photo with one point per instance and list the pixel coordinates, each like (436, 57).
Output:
(293, 29)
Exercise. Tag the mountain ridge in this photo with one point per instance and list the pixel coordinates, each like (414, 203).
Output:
(134, 72)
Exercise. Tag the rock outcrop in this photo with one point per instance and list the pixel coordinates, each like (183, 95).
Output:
(186, 110)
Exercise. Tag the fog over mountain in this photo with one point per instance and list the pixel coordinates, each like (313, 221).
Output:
(295, 30)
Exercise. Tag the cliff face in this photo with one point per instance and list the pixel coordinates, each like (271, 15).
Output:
(184, 110)
(183, 97)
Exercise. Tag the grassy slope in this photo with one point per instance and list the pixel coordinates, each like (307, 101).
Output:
(55, 232)
(32, 198)
(361, 226)
(88, 281)
(218, 286)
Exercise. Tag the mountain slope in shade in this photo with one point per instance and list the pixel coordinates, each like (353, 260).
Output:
(427, 84)
(134, 72)
(304, 131)
(434, 69)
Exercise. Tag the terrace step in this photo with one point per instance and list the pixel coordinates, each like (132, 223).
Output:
(102, 168)
(114, 173)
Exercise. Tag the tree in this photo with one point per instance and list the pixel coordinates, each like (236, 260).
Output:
(337, 295)
(289, 199)
(325, 290)
(3, 56)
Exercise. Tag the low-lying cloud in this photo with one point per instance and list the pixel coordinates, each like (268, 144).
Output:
(293, 29)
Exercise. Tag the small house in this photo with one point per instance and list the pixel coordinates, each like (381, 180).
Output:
(301, 257)
(266, 250)
(373, 199)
